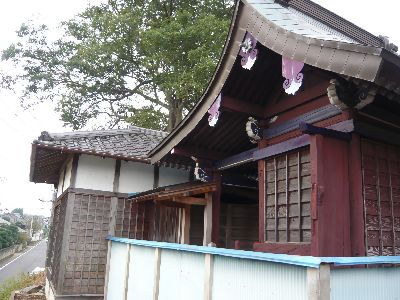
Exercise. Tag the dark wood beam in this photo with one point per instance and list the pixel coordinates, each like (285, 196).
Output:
(313, 116)
(235, 160)
(378, 133)
(198, 153)
(311, 129)
(283, 147)
(236, 105)
(289, 102)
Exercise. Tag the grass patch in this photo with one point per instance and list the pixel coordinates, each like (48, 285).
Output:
(19, 282)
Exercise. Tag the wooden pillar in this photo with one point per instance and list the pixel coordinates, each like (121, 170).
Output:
(208, 276)
(356, 198)
(185, 238)
(318, 283)
(109, 244)
(330, 205)
(216, 207)
(65, 241)
(261, 201)
(126, 277)
(208, 220)
(157, 263)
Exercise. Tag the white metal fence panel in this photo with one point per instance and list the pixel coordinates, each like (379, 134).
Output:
(181, 275)
(141, 273)
(116, 274)
(365, 284)
(242, 279)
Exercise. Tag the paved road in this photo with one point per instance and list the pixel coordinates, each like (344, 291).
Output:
(31, 258)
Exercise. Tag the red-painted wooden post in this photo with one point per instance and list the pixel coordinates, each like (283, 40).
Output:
(261, 201)
(330, 205)
(356, 198)
(216, 205)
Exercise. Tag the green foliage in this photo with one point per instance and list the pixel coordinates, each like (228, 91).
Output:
(8, 235)
(18, 211)
(122, 59)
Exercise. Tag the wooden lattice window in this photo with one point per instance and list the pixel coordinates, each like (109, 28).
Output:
(288, 195)
(381, 189)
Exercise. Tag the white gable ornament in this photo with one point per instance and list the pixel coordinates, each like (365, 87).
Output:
(214, 111)
(291, 71)
(248, 51)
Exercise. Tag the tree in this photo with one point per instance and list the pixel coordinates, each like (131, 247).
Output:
(18, 211)
(138, 61)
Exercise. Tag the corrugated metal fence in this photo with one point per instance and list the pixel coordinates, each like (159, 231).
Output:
(152, 270)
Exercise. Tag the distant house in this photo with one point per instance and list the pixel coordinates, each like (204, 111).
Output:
(93, 172)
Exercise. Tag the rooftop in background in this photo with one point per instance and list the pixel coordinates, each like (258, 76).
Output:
(50, 150)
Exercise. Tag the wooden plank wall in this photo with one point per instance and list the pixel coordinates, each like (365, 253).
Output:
(288, 196)
(381, 186)
(56, 238)
(87, 249)
(239, 223)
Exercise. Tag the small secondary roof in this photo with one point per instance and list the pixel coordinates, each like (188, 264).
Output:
(50, 150)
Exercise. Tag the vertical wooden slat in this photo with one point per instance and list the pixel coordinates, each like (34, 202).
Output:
(113, 214)
(91, 246)
(261, 200)
(74, 170)
(143, 216)
(157, 263)
(207, 220)
(126, 277)
(136, 219)
(109, 245)
(65, 243)
(208, 276)
(287, 199)
(117, 173)
(299, 195)
(392, 206)
(228, 229)
(276, 202)
(318, 283)
(186, 225)
(378, 190)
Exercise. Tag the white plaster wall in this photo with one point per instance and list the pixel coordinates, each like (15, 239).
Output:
(60, 183)
(64, 180)
(170, 176)
(68, 173)
(135, 177)
(95, 173)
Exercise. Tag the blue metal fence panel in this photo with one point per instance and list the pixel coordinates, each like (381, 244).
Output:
(240, 279)
(116, 274)
(365, 284)
(141, 273)
(181, 275)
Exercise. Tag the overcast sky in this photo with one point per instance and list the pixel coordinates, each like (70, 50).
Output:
(18, 128)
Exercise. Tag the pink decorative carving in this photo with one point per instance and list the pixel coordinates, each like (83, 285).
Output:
(293, 78)
(214, 111)
(248, 51)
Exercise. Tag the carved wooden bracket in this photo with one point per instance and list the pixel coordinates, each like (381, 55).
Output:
(248, 51)
(214, 111)
(253, 130)
(343, 94)
(291, 70)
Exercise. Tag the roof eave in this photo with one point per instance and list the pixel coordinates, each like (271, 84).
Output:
(299, 48)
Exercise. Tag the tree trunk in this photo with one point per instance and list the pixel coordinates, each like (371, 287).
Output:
(174, 113)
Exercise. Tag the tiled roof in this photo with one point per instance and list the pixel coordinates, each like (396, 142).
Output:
(131, 142)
